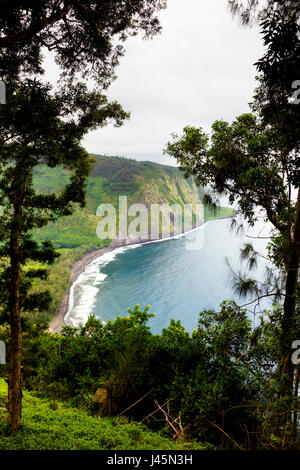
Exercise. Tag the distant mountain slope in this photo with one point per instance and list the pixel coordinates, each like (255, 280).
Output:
(111, 177)
(142, 182)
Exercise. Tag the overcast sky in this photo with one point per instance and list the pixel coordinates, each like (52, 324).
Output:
(199, 69)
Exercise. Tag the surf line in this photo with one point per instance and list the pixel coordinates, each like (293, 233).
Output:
(83, 291)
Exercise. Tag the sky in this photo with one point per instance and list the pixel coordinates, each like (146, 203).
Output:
(199, 69)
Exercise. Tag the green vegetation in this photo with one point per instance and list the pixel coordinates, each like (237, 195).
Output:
(58, 280)
(75, 235)
(215, 385)
(97, 386)
(255, 161)
(209, 214)
(142, 182)
(53, 425)
(42, 123)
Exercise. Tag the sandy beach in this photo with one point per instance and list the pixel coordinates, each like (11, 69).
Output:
(78, 268)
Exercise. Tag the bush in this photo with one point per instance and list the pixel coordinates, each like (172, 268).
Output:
(213, 381)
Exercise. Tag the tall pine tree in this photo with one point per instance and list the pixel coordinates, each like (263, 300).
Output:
(40, 126)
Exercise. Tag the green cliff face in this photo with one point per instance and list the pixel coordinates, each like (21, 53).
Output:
(111, 177)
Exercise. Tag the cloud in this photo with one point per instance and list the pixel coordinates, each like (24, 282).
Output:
(198, 70)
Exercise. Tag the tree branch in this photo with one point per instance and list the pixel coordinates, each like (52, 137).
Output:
(30, 32)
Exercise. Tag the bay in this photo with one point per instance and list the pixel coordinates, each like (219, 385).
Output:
(178, 277)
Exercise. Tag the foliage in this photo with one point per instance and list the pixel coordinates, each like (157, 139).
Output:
(255, 161)
(86, 39)
(251, 11)
(111, 177)
(256, 164)
(54, 425)
(220, 379)
(40, 126)
(41, 142)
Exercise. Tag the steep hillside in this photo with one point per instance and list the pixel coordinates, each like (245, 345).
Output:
(142, 182)
(111, 177)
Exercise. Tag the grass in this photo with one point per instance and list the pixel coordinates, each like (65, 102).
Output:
(220, 212)
(59, 274)
(143, 182)
(75, 235)
(49, 425)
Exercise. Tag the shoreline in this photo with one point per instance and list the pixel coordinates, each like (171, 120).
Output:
(57, 322)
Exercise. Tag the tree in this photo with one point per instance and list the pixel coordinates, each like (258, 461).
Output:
(85, 37)
(251, 11)
(39, 126)
(256, 162)
(249, 162)
(278, 98)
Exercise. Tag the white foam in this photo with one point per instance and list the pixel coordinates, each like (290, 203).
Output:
(84, 290)
(179, 235)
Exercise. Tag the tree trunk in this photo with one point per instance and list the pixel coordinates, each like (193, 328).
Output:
(287, 368)
(15, 373)
(296, 406)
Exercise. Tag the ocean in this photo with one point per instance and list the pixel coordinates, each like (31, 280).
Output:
(178, 277)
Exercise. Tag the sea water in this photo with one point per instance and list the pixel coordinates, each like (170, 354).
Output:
(178, 277)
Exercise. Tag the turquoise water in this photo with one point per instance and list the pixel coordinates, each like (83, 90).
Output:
(178, 278)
